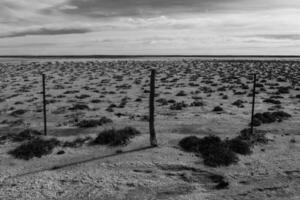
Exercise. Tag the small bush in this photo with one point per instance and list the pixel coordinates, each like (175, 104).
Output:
(34, 148)
(93, 122)
(270, 117)
(27, 134)
(238, 103)
(181, 93)
(190, 143)
(256, 137)
(239, 146)
(217, 109)
(79, 107)
(214, 151)
(114, 137)
(219, 155)
(18, 112)
(283, 90)
(178, 106)
(78, 142)
(273, 101)
(197, 104)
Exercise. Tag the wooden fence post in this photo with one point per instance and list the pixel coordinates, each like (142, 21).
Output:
(153, 140)
(253, 103)
(44, 104)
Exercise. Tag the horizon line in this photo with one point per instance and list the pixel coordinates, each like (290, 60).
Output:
(138, 55)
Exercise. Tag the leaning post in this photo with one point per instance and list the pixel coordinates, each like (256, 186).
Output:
(44, 104)
(253, 103)
(153, 140)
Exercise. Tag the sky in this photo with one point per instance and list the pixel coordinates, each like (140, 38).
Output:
(147, 27)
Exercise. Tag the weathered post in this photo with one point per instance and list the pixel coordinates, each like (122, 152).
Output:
(153, 140)
(44, 104)
(253, 103)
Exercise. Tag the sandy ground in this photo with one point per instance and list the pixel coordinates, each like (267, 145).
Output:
(138, 171)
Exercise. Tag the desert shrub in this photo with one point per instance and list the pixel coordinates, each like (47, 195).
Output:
(270, 117)
(281, 114)
(214, 151)
(27, 134)
(178, 106)
(78, 142)
(144, 118)
(217, 109)
(225, 97)
(181, 93)
(277, 97)
(34, 148)
(190, 143)
(138, 100)
(115, 137)
(79, 107)
(18, 112)
(96, 101)
(239, 146)
(238, 103)
(283, 90)
(197, 104)
(219, 155)
(162, 101)
(256, 137)
(273, 101)
(256, 122)
(93, 122)
(171, 101)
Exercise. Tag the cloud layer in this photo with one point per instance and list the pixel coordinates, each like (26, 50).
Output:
(46, 31)
(149, 27)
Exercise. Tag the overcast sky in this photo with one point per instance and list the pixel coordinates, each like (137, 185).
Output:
(56, 27)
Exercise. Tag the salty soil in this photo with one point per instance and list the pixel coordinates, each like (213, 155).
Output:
(193, 97)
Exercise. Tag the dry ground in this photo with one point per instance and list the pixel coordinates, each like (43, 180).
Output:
(137, 171)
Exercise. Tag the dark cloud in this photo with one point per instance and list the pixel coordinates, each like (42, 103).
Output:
(280, 36)
(117, 8)
(142, 8)
(46, 31)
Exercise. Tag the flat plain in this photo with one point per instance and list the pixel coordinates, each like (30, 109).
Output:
(194, 97)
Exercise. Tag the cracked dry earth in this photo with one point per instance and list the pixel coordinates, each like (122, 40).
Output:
(164, 172)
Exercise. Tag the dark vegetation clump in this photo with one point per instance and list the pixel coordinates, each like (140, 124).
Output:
(34, 148)
(270, 117)
(238, 103)
(258, 137)
(181, 93)
(218, 155)
(273, 101)
(115, 137)
(178, 106)
(18, 112)
(79, 107)
(239, 146)
(78, 142)
(27, 134)
(190, 143)
(197, 104)
(218, 152)
(162, 101)
(217, 109)
(93, 122)
(214, 151)
(283, 90)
